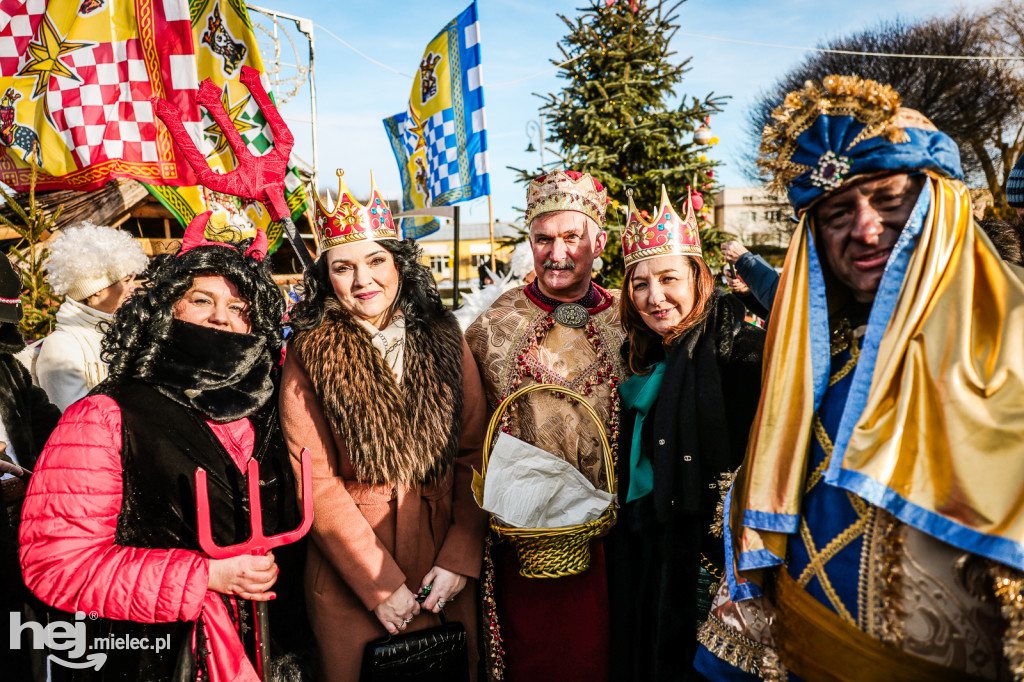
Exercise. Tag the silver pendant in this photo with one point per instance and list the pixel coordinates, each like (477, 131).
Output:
(571, 315)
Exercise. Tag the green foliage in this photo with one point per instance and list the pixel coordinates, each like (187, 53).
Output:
(511, 242)
(34, 227)
(618, 116)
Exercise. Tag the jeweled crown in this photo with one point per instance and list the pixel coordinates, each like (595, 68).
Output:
(668, 234)
(873, 104)
(351, 221)
(566, 191)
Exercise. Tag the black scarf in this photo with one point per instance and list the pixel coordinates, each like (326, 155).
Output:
(224, 375)
(691, 415)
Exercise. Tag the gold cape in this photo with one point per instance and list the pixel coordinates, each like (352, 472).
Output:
(940, 439)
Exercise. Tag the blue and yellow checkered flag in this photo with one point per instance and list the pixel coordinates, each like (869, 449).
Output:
(440, 141)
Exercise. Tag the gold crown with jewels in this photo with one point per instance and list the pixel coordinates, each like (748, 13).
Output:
(668, 234)
(350, 221)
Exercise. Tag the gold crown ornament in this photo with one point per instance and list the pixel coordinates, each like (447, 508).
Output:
(826, 134)
(667, 235)
(875, 105)
(351, 221)
(566, 191)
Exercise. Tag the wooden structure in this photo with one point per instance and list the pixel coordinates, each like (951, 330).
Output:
(128, 205)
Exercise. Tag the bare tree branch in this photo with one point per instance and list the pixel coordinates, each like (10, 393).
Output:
(976, 102)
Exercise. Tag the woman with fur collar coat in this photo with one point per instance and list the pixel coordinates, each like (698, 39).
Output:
(380, 387)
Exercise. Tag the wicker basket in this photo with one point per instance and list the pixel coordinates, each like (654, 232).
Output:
(553, 552)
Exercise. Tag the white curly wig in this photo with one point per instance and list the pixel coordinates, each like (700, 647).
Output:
(89, 258)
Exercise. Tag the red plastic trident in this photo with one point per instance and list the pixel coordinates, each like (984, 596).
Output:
(256, 178)
(258, 544)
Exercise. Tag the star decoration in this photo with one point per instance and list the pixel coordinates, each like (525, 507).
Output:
(235, 114)
(46, 54)
(415, 128)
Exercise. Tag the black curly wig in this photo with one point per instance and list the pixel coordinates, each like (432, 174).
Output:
(417, 297)
(140, 326)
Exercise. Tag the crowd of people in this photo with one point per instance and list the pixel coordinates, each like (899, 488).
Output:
(835, 497)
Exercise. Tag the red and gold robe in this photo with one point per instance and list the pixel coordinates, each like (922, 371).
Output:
(550, 628)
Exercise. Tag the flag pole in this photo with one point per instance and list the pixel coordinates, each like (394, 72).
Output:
(490, 224)
(455, 268)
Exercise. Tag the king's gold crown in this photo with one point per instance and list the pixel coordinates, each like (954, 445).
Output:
(350, 221)
(668, 234)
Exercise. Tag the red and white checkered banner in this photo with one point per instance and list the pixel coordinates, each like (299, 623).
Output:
(77, 77)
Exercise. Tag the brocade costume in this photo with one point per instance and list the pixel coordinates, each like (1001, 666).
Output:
(890, 581)
(874, 529)
(551, 628)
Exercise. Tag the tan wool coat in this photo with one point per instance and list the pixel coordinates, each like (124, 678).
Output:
(367, 540)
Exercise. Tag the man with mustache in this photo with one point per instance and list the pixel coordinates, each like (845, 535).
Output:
(561, 329)
(874, 529)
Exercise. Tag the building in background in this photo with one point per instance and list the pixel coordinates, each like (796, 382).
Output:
(439, 247)
(755, 216)
(474, 250)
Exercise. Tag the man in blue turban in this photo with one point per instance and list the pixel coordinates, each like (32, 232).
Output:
(876, 528)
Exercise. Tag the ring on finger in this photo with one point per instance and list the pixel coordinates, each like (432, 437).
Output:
(441, 603)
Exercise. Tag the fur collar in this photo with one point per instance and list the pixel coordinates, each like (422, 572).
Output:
(11, 340)
(404, 433)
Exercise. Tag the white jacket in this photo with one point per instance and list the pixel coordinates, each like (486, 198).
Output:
(69, 365)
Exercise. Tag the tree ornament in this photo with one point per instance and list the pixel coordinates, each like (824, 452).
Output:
(702, 135)
(697, 199)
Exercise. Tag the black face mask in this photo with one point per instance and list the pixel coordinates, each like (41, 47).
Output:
(224, 375)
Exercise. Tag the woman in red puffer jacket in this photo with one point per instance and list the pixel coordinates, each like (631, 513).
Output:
(109, 521)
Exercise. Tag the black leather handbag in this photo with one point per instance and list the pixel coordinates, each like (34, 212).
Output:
(437, 654)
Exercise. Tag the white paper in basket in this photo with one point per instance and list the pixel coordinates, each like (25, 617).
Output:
(527, 487)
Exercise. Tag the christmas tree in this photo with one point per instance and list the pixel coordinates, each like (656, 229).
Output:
(619, 117)
(32, 227)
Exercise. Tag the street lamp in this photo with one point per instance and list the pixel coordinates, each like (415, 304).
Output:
(536, 128)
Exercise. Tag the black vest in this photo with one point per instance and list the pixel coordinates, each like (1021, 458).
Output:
(162, 444)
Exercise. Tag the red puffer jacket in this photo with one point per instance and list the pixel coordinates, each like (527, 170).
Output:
(69, 519)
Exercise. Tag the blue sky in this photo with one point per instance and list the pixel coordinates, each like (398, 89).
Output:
(518, 38)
